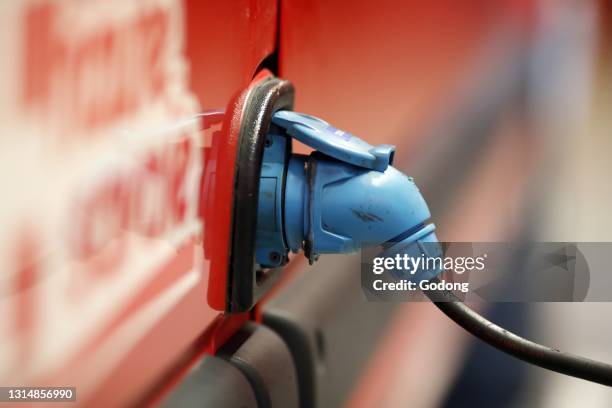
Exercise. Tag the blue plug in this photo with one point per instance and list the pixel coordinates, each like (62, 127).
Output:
(343, 196)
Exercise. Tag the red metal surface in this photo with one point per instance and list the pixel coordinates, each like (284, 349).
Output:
(337, 56)
(386, 70)
(88, 84)
(221, 67)
(221, 72)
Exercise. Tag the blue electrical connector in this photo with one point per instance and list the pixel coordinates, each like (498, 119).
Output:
(346, 195)
(343, 196)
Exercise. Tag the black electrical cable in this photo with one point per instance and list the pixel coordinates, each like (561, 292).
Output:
(517, 346)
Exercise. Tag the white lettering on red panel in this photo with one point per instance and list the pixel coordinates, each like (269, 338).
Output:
(100, 166)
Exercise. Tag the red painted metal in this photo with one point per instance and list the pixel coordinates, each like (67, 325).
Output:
(385, 70)
(337, 56)
(222, 70)
(100, 89)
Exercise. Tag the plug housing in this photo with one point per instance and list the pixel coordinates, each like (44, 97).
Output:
(341, 197)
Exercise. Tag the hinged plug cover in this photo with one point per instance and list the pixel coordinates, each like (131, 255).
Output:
(333, 142)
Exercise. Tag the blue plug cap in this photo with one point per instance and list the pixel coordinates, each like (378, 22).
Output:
(336, 143)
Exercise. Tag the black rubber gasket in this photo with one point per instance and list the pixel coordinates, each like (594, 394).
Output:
(246, 284)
